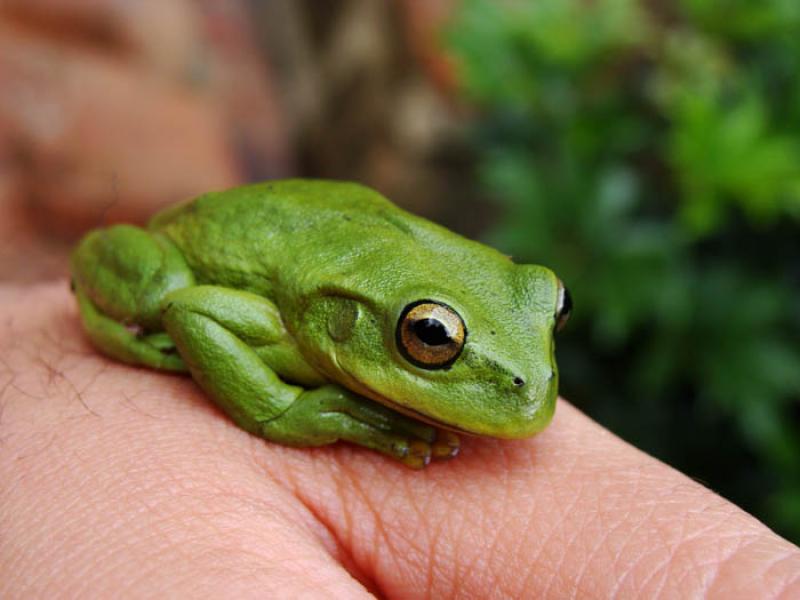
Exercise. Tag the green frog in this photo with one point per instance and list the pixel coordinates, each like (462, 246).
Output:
(315, 311)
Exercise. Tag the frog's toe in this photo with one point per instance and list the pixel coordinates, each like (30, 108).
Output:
(418, 451)
(412, 453)
(446, 445)
(418, 455)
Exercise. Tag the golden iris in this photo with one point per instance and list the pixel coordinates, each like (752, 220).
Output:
(430, 334)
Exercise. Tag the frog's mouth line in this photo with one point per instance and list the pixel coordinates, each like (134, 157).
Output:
(369, 392)
(414, 414)
(404, 410)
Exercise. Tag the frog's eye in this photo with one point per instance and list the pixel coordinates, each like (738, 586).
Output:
(563, 306)
(430, 334)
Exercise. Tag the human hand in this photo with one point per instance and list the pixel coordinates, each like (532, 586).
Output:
(118, 481)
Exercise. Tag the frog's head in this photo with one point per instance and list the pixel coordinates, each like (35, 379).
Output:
(472, 353)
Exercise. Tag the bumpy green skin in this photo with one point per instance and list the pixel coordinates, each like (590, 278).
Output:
(282, 300)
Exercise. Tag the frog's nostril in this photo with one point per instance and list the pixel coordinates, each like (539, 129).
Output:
(519, 381)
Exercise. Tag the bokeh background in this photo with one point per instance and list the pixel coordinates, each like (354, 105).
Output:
(647, 150)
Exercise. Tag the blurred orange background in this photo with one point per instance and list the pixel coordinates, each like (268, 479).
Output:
(111, 110)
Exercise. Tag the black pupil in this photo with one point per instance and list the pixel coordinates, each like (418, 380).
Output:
(563, 310)
(566, 306)
(432, 332)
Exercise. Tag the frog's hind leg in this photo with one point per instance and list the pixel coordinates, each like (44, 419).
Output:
(235, 345)
(120, 275)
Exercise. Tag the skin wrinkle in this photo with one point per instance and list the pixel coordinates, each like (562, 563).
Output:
(497, 543)
(141, 525)
(721, 567)
(632, 569)
(617, 527)
(670, 557)
(49, 437)
(137, 524)
(574, 536)
(708, 571)
(435, 572)
(458, 524)
(387, 546)
(219, 534)
(389, 555)
(348, 523)
(10, 377)
(162, 548)
(343, 479)
(565, 511)
(483, 558)
(687, 545)
(442, 518)
(217, 549)
(603, 524)
(646, 519)
(339, 547)
(353, 564)
(530, 566)
(449, 569)
(128, 400)
(642, 557)
(597, 549)
(536, 565)
(481, 563)
(629, 570)
(791, 579)
(506, 516)
(718, 568)
(554, 532)
(677, 565)
(59, 538)
(657, 575)
(470, 569)
(430, 536)
(791, 587)
(667, 548)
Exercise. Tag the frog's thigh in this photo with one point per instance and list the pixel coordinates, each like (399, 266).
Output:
(120, 274)
(217, 332)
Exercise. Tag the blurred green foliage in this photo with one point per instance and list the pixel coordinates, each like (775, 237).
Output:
(649, 152)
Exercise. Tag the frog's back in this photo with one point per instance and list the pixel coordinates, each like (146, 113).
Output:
(252, 236)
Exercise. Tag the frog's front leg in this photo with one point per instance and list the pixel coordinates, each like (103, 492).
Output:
(225, 338)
